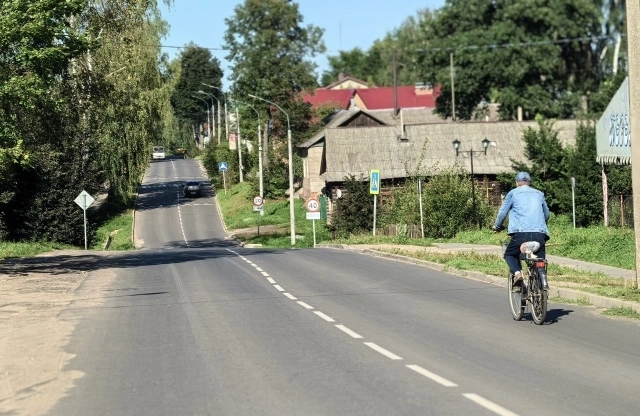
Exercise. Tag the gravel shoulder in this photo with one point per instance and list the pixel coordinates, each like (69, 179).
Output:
(33, 292)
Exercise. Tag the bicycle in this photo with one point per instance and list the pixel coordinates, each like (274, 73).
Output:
(531, 290)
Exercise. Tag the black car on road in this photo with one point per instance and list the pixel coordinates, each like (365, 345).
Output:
(192, 188)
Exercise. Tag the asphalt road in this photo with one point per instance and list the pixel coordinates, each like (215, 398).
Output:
(193, 324)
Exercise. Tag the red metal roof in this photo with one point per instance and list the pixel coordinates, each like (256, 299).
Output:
(382, 98)
(340, 98)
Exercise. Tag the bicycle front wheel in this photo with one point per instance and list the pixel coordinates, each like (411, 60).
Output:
(516, 301)
(538, 300)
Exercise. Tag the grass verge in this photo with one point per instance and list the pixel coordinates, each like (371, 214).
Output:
(622, 312)
(115, 220)
(598, 244)
(237, 210)
(559, 276)
(10, 250)
(582, 301)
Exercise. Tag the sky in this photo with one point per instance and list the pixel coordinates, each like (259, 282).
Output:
(347, 23)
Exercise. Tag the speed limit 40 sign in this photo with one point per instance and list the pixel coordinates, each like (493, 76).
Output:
(313, 205)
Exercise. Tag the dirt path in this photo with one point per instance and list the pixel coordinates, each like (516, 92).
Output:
(33, 292)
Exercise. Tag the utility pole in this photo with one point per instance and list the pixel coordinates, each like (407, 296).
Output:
(633, 45)
(239, 145)
(395, 84)
(453, 89)
(219, 122)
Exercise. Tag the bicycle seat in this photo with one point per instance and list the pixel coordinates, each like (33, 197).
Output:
(529, 248)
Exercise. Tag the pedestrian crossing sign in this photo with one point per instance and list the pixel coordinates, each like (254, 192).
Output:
(374, 182)
(222, 166)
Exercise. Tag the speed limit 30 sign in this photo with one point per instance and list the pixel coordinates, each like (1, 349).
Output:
(313, 205)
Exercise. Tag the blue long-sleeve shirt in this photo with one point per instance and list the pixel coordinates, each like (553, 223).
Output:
(527, 209)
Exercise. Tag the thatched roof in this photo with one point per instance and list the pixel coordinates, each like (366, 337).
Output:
(357, 150)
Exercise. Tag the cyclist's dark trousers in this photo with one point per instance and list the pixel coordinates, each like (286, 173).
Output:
(512, 253)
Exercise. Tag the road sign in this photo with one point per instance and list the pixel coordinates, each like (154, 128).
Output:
(374, 182)
(313, 205)
(313, 215)
(223, 166)
(258, 207)
(84, 200)
(257, 200)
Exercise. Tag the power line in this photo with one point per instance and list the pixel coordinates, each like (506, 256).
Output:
(449, 49)
(517, 44)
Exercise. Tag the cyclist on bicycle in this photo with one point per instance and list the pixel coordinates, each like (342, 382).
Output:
(528, 216)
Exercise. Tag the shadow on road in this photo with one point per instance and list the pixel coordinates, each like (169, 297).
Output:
(67, 262)
(555, 315)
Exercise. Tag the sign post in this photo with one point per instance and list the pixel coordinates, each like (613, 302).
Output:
(84, 200)
(573, 199)
(313, 214)
(374, 189)
(223, 167)
(258, 207)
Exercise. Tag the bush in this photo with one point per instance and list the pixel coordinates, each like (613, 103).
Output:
(448, 206)
(354, 211)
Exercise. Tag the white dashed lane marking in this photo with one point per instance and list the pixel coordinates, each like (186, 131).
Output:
(432, 376)
(348, 331)
(179, 212)
(323, 316)
(382, 351)
(489, 405)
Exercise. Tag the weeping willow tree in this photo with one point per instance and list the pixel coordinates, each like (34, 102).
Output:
(130, 99)
(82, 100)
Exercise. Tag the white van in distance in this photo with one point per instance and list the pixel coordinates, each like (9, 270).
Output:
(158, 152)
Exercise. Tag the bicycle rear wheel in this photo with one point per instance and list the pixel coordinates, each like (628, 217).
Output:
(538, 300)
(516, 301)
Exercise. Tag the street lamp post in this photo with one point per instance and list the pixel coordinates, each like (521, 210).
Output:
(208, 122)
(239, 139)
(259, 147)
(226, 123)
(485, 145)
(291, 210)
(213, 113)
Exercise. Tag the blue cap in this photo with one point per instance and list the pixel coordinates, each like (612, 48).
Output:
(523, 177)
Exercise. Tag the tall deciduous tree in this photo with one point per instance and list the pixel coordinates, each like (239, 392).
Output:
(197, 66)
(270, 51)
(529, 66)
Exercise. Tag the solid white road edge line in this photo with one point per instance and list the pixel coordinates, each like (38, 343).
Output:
(432, 376)
(348, 331)
(382, 351)
(487, 404)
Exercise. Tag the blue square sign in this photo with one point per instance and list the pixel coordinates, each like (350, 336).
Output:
(223, 166)
(374, 182)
